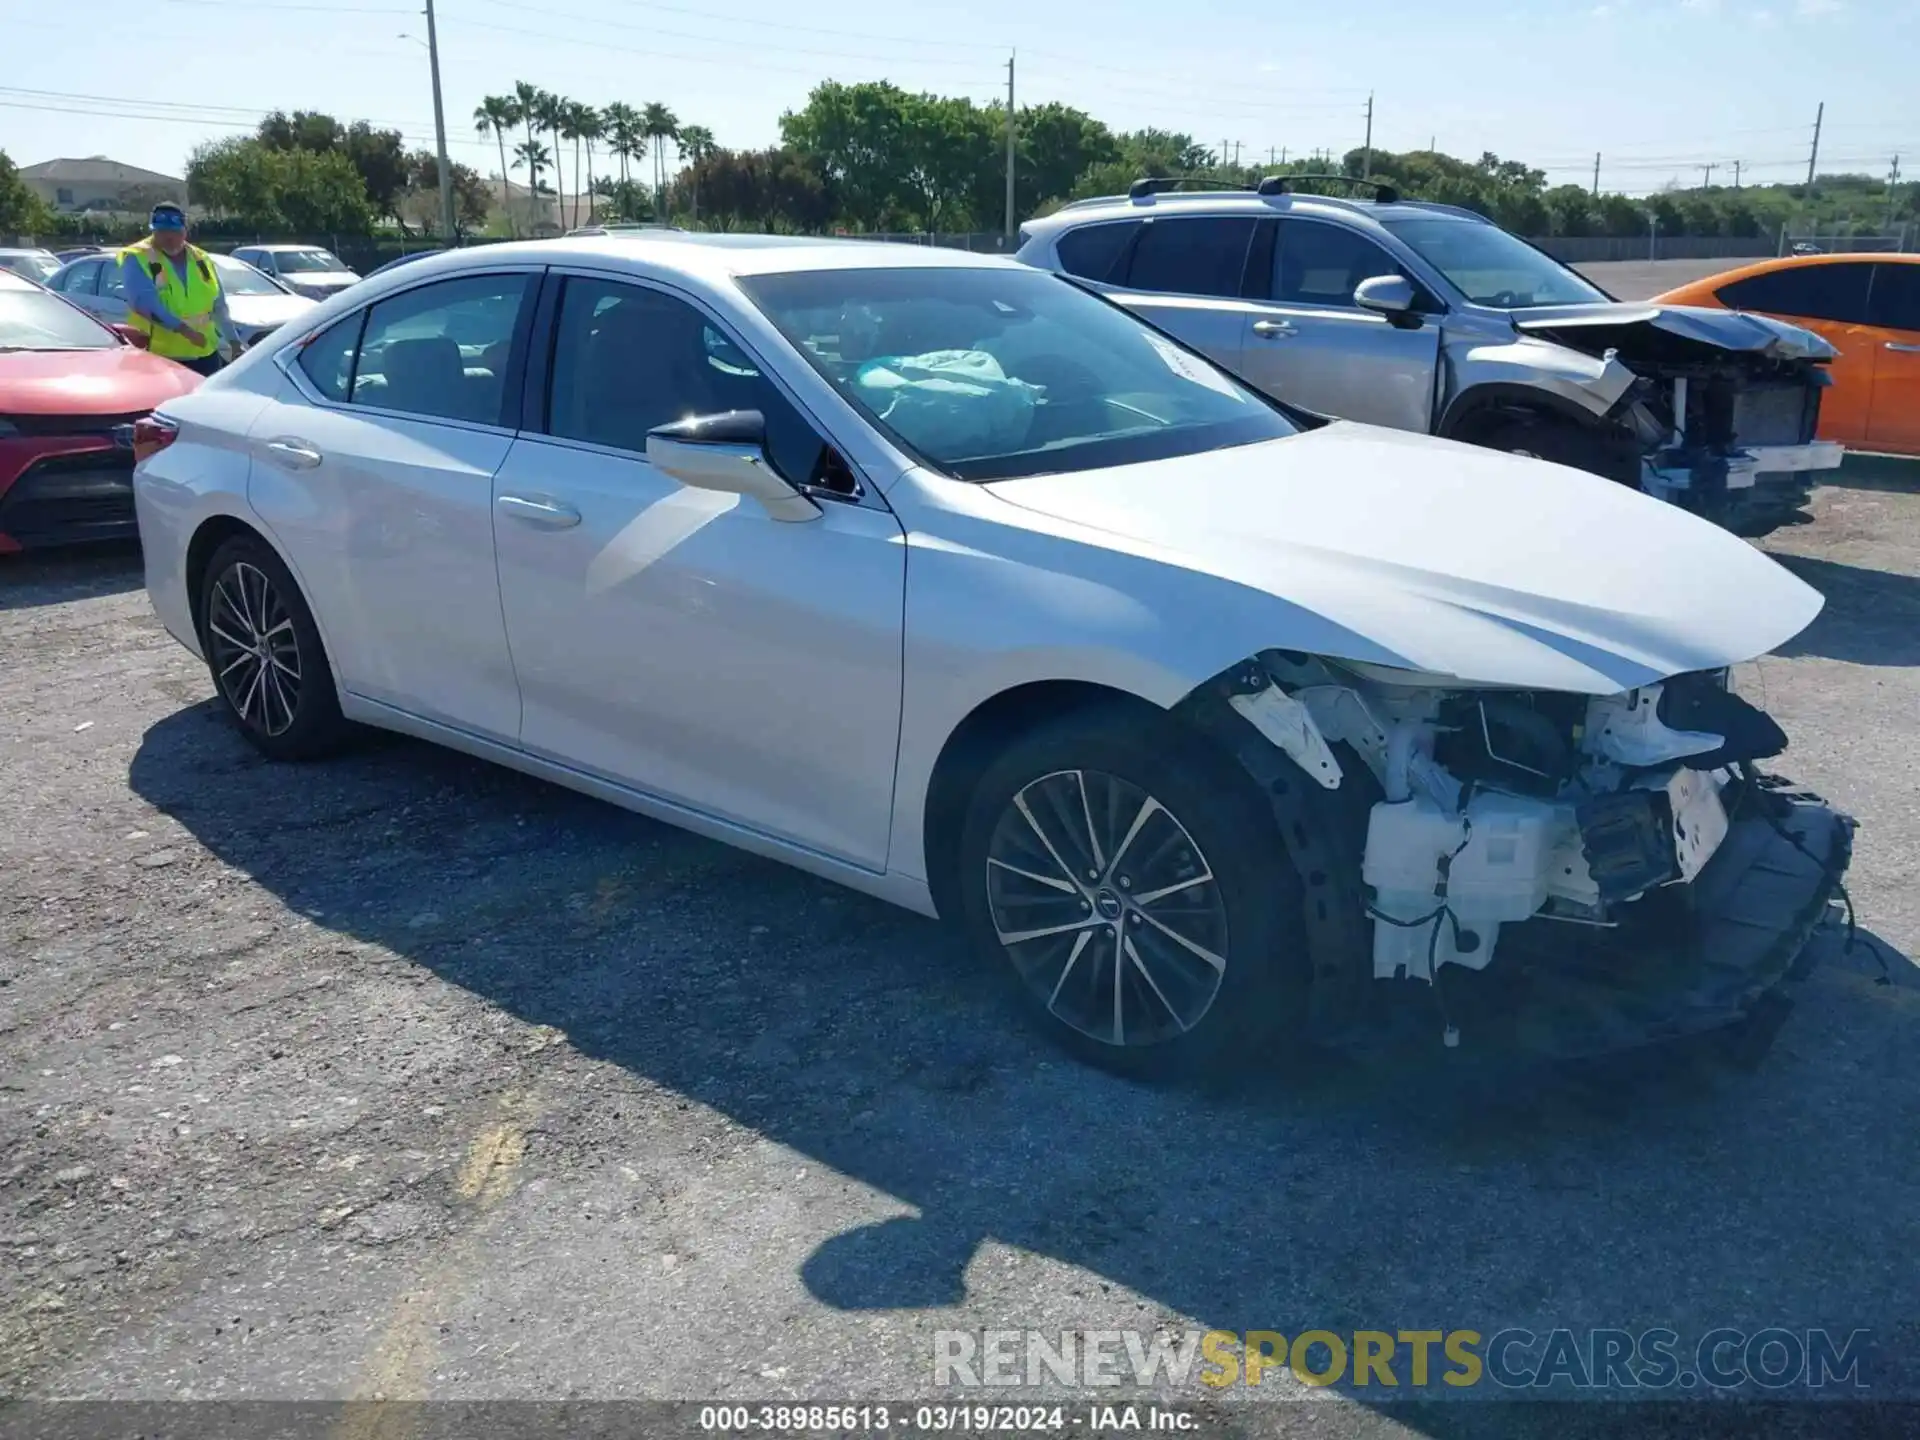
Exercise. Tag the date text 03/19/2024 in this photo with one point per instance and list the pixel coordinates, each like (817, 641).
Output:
(942, 1419)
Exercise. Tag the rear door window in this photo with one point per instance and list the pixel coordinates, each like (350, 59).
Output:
(81, 279)
(1194, 255)
(441, 351)
(1895, 303)
(1092, 251)
(1836, 292)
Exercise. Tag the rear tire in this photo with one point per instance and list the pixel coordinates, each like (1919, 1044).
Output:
(1154, 918)
(264, 653)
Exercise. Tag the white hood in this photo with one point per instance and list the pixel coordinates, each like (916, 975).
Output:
(1440, 557)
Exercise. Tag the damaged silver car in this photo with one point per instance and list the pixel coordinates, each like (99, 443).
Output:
(1220, 729)
(1430, 318)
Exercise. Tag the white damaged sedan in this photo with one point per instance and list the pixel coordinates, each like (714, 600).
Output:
(1220, 728)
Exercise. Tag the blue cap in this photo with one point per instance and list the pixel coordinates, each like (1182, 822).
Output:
(167, 217)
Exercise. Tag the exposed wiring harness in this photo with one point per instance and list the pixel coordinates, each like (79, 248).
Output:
(1450, 1033)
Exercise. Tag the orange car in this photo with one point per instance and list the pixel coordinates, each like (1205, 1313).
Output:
(1868, 307)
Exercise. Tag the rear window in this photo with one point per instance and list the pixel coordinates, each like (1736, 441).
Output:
(1092, 251)
(1202, 255)
(1835, 292)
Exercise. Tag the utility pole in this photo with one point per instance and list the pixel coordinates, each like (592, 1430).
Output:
(1736, 174)
(1366, 163)
(1010, 144)
(1893, 190)
(1814, 158)
(1708, 170)
(440, 131)
(1596, 174)
(1236, 154)
(1283, 154)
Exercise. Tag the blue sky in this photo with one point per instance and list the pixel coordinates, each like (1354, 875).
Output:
(1659, 87)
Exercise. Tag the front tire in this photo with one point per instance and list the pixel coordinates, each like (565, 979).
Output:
(264, 653)
(1131, 883)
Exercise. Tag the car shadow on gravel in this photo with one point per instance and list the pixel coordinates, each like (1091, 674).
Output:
(1872, 617)
(1358, 1197)
(85, 572)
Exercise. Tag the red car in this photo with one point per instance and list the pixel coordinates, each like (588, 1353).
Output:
(71, 392)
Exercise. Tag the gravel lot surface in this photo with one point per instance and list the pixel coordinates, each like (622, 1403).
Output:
(401, 1075)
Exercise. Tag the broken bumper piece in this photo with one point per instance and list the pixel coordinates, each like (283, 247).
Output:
(1685, 960)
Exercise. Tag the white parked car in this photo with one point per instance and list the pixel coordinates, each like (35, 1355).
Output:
(940, 577)
(304, 269)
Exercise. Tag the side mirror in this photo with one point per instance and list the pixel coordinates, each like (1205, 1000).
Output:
(727, 452)
(1388, 295)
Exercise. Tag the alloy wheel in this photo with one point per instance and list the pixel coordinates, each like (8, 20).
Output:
(1107, 908)
(256, 654)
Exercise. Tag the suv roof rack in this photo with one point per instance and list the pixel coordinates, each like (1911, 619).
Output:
(1283, 185)
(1159, 184)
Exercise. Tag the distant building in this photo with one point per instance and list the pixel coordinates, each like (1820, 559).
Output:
(514, 210)
(98, 184)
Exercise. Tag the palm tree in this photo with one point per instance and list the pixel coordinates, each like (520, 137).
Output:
(624, 135)
(494, 116)
(580, 122)
(536, 157)
(551, 113)
(526, 106)
(660, 125)
(696, 145)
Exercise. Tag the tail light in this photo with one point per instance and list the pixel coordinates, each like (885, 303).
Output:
(151, 435)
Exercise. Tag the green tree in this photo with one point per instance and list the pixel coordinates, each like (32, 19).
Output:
(1571, 210)
(856, 136)
(472, 197)
(580, 122)
(21, 211)
(696, 144)
(272, 191)
(1054, 145)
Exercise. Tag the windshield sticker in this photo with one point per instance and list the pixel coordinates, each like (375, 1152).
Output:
(1188, 368)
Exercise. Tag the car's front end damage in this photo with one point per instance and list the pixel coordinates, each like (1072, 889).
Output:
(1721, 414)
(1561, 874)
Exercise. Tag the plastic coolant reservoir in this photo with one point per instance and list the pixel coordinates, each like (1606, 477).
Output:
(1499, 875)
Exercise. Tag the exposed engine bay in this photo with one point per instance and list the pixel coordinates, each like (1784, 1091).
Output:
(1721, 414)
(1592, 837)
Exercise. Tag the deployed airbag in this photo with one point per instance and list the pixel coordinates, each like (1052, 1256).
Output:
(950, 401)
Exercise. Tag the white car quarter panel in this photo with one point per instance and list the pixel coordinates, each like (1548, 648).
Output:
(684, 643)
(391, 534)
(202, 474)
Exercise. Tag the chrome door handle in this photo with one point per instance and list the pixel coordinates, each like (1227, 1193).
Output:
(1903, 349)
(1274, 329)
(294, 454)
(544, 513)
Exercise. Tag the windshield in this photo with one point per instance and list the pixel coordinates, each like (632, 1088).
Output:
(1491, 267)
(994, 374)
(304, 262)
(35, 320)
(33, 266)
(239, 278)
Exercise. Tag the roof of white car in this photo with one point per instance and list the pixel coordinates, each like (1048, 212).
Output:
(714, 257)
(1235, 202)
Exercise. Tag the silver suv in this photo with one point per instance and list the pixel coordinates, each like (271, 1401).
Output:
(1431, 318)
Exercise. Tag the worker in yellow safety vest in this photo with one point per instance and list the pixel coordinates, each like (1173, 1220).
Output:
(174, 297)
